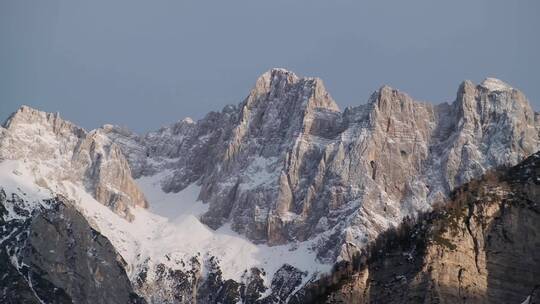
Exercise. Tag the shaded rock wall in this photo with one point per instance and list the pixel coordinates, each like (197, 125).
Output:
(483, 247)
(51, 254)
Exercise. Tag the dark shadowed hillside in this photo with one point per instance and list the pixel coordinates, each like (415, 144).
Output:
(482, 247)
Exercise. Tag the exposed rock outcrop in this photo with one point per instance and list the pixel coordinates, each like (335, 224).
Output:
(50, 254)
(482, 247)
(177, 286)
(286, 165)
(60, 151)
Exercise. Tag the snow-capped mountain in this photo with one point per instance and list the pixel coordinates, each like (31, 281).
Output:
(286, 166)
(58, 150)
(251, 203)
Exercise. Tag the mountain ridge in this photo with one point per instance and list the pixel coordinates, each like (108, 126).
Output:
(285, 169)
(387, 110)
(309, 94)
(80, 156)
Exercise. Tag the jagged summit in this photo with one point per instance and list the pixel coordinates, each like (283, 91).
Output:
(278, 82)
(26, 111)
(494, 84)
(59, 151)
(281, 84)
(387, 93)
(28, 115)
(495, 96)
(490, 84)
(283, 73)
(263, 82)
(279, 71)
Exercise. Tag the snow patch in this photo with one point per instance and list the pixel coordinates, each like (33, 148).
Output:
(494, 84)
(15, 177)
(260, 172)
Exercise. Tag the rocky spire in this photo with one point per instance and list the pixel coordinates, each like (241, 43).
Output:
(281, 84)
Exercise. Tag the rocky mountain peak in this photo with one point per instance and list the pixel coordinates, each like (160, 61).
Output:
(388, 99)
(492, 96)
(60, 152)
(494, 84)
(466, 88)
(24, 112)
(265, 80)
(280, 84)
(26, 115)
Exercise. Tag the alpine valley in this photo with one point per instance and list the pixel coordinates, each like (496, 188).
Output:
(283, 198)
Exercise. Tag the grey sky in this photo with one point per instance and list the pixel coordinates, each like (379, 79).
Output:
(143, 64)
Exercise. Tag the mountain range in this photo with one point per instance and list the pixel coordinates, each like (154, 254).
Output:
(281, 198)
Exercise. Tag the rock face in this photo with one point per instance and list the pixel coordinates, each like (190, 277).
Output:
(66, 152)
(50, 254)
(167, 285)
(286, 165)
(176, 286)
(481, 247)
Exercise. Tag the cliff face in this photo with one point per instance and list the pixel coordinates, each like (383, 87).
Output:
(59, 151)
(286, 165)
(482, 247)
(287, 185)
(50, 254)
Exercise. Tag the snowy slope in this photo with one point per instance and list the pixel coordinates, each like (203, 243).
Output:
(170, 232)
(175, 217)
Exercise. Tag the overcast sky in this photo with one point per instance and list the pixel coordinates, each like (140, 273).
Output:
(143, 64)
